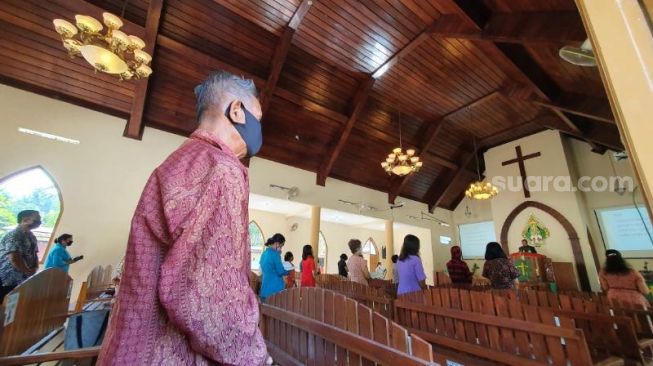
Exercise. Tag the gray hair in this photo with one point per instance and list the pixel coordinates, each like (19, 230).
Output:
(221, 85)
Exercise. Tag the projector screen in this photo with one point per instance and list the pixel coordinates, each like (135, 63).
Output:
(622, 229)
(474, 238)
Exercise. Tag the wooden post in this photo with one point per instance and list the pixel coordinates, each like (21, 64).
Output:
(315, 229)
(389, 247)
(623, 46)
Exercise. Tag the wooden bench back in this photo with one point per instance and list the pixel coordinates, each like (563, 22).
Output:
(374, 297)
(316, 326)
(508, 332)
(41, 307)
(255, 282)
(592, 303)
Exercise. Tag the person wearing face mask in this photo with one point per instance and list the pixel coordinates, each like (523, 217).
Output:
(272, 269)
(59, 256)
(184, 293)
(19, 252)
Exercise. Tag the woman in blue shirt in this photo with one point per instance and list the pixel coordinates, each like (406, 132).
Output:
(272, 267)
(59, 257)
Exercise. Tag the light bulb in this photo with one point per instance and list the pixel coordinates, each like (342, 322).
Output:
(410, 152)
(142, 57)
(397, 150)
(65, 28)
(88, 24)
(136, 42)
(111, 21)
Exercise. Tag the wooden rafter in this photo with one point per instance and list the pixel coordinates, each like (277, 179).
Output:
(357, 104)
(515, 58)
(597, 109)
(359, 101)
(445, 182)
(135, 125)
(281, 52)
(524, 27)
(430, 135)
(210, 62)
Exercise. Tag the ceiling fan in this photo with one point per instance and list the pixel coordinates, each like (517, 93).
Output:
(579, 56)
(362, 206)
(291, 192)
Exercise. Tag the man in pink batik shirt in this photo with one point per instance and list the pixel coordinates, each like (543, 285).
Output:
(184, 293)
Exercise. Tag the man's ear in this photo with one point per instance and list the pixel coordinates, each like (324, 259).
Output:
(236, 112)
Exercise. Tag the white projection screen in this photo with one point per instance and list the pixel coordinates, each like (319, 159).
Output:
(622, 229)
(474, 238)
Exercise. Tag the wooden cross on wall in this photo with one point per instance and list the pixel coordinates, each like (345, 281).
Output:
(522, 169)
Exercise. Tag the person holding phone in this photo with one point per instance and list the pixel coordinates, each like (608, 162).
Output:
(59, 256)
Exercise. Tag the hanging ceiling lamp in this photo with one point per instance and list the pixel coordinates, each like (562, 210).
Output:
(113, 52)
(399, 162)
(479, 190)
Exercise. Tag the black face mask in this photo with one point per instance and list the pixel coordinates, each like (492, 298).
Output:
(35, 224)
(250, 131)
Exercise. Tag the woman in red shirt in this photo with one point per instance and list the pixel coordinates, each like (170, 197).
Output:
(309, 269)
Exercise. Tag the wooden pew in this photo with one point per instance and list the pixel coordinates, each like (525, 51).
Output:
(255, 282)
(83, 354)
(97, 283)
(512, 335)
(624, 316)
(314, 326)
(39, 307)
(374, 297)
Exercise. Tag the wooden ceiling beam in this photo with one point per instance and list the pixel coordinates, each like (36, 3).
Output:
(201, 59)
(357, 104)
(430, 135)
(599, 136)
(135, 125)
(522, 27)
(276, 64)
(445, 182)
(361, 97)
(597, 109)
(280, 54)
(515, 58)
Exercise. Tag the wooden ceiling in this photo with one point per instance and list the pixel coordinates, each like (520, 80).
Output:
(337, 76)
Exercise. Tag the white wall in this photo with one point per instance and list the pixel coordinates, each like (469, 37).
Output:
(102, 178)
(587, 163)
(552, 162)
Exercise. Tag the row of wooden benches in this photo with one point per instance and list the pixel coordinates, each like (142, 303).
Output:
(37, 309)
(609, 329)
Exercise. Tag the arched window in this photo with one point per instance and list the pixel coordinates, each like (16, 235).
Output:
(322, 251)
(31, 189)
(369, 247)
(256, 244)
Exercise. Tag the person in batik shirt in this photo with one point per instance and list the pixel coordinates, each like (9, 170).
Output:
(19, 252)
(459, 272)
(184, 293)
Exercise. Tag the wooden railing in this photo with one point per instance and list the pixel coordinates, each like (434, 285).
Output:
(80, 354)
(316, 326)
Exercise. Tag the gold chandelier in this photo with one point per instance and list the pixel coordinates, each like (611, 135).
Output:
(113, 53)
(479, 190)
(399, 162)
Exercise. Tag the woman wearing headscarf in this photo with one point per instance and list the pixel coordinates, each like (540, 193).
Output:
(459, 272)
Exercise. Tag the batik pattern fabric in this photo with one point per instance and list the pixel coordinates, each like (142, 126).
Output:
(184, 296)
(501, 272)
(24, 243)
